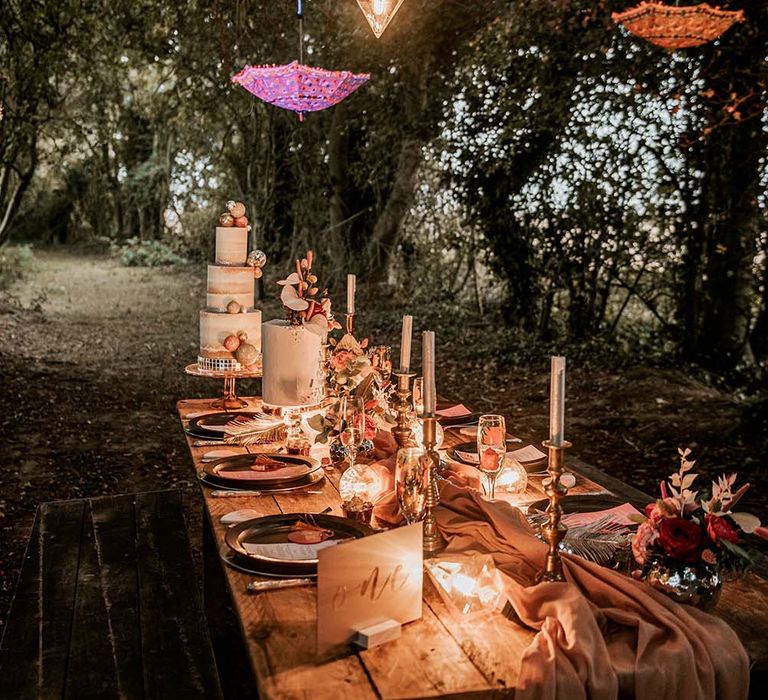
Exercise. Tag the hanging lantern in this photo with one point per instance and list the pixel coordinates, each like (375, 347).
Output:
(379, 13)
(677, 27)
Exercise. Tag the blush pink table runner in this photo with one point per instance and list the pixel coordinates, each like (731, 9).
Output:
(601, 635)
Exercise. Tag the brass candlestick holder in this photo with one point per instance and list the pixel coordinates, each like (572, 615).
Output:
(402, 406)
(554, 530)
(349, 324)
(433, 540)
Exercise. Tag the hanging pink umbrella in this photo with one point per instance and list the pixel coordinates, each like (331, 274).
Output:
(299, 88)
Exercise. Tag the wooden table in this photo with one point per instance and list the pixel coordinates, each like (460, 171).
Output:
(440, 655)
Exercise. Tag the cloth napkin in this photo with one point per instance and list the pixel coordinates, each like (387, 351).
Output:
(457, 411)
(601, 635)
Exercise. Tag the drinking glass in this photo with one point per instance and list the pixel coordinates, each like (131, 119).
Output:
(411, 482)
(418, 396)
(352, 428)
(491, 449)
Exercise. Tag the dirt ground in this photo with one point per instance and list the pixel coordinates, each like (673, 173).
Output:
(91, 359)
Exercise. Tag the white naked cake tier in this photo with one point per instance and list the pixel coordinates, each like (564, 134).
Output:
(229, 323)
(216, 327)
(292, 370)
(231, 245)
(226, 283)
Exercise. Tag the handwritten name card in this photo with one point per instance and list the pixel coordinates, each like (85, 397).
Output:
(368, 581)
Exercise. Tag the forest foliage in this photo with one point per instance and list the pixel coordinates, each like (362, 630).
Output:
(525, 156)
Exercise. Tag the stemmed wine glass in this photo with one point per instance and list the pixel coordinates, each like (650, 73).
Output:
(491, 449)
(411, 482)
(352, 415)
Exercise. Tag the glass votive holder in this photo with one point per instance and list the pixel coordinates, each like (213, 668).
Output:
(358, 509)
(513, 479)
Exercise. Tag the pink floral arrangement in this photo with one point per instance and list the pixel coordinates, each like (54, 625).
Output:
(686, 528)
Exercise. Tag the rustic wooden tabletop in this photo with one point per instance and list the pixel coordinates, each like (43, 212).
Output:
(439, 655)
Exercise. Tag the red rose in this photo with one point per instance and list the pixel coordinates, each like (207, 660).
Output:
(680, 538)
(720, 529)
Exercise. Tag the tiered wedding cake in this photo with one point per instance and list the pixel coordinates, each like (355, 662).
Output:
(230, 326)
(293, 372)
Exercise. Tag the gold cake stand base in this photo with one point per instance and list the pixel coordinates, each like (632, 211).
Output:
(229, 401)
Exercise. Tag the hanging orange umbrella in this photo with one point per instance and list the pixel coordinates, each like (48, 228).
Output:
(674, 27)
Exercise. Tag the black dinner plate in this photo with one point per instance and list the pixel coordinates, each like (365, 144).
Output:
(210, 425)
(228, 469)
(310, 479)
(459, 421)
(272, 530)
(471, 447)
(587, 504)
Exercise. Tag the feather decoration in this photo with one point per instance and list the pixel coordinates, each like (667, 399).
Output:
(254, 430)
(599, 541)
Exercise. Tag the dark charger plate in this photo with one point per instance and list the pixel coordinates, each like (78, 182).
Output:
(201, 426)
(274, 529)
(464, 421)
(586, 503)
(310, 479)
(471, 448)
(227, 468)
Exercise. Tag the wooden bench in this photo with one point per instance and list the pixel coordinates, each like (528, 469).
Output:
(107, 605)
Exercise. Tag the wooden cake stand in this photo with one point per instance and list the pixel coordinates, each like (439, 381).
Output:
(229, 401)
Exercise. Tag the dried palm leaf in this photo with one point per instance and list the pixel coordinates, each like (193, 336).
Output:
(254, 430)
(598, 542)
(600, 548)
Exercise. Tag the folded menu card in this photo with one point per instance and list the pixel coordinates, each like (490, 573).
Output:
(288, 550)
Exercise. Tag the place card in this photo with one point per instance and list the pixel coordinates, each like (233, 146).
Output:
(366, 582)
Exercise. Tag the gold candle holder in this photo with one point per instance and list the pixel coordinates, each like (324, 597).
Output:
(349, 324)
(433, 540)
(402, 406)
(554, 530)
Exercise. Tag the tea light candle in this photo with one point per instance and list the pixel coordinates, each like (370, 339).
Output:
(428, 360)
(351, 285)
(557, 402)
(405, 344)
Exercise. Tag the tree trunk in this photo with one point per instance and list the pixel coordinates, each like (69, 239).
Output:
(13, 203)
(728, 215)
(730, 231)
(386, 232)
(759, 337)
